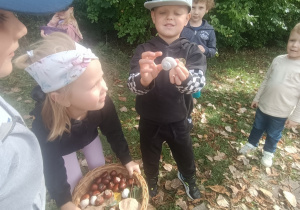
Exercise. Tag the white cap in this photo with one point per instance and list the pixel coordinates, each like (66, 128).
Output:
(158, 3)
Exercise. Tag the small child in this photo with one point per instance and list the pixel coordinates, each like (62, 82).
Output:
(198, 30)
(277, 100)
(71, 105)
(63, 21)
(164, 97)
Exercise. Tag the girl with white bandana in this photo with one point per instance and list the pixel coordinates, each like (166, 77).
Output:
(72, 104)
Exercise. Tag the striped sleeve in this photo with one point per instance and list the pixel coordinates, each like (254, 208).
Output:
(134, 84)
(194, 83)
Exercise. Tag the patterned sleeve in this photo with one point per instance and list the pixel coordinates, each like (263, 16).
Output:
(134, 80)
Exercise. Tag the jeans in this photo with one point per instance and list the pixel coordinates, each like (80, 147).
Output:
(273, 126)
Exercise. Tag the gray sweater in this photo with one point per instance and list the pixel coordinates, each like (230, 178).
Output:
(22, 183)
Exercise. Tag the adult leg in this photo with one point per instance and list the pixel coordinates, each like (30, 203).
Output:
(73, 169)
(93, 153)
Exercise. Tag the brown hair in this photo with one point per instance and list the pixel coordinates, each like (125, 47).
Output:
(54, 115)
(209, 3)
(296, 28)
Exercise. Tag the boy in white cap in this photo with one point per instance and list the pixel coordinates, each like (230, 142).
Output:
(164, 98)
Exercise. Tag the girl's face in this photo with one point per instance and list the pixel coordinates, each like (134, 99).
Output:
(293, 46)
(88, 92)
(169, 21)
(11, 30)
(198, 11)
(65, 14)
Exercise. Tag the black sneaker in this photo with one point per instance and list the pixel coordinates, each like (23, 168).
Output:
(190, 186)
(152, 186)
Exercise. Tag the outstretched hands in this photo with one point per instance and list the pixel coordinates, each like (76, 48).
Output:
(149, 70)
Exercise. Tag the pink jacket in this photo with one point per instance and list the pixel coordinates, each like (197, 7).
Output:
(72, 31)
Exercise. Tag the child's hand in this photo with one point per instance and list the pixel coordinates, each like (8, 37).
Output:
(290, 123)
(201, 48)
(132, 166)
(148, 69)
(178, 74)
(43, 34)
(254, 104)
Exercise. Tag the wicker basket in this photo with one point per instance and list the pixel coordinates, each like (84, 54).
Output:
(85, 183)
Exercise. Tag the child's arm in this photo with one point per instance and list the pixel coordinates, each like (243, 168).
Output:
(195, 66)
(290, 124)
(210, 48)
(143, 71)
(294, 118)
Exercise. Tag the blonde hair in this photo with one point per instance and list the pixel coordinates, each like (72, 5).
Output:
(73, 21)
(296, 28)
(55, 116)
(209, 3)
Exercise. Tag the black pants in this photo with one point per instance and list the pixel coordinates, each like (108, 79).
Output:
(177, 135)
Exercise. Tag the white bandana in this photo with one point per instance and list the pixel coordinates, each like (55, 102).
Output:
(60, 69)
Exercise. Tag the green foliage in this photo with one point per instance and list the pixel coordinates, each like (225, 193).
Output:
(238, 23)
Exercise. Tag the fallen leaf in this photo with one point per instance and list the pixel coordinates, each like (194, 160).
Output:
(175, 183)
(181, 203)
(294, 130)
(220, 156)
(228, 128)
(252, 191)
(242, 110)
(221, 201)
(210, 158)
(266, 193)
(121, 86)
(219, 189)
(84, 163)
(122, 98)
(290, 149)
(168, 185)
(168, 167)
(123, 109)
(290, 198)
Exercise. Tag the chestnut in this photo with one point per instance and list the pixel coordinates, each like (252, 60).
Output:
(115, 188)
(99, 201)
(98, 180)
(130, 181)
(104, 174)
(107, 194)
(113, 173)
(123, 179)
(94, 187)
(110, 185)
(85, 196)
(109, 177)
(122, 185)
(120, 175)
(101, 187)
(96, 192)
(116, 180)
(105, 181)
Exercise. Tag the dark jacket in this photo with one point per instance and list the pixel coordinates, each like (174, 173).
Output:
(205, 36)
(162, 101)
(82, 133)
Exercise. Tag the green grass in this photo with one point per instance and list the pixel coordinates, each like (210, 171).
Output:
(232, 82)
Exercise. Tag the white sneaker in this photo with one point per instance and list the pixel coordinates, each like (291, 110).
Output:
(267, 159)
(247, 148)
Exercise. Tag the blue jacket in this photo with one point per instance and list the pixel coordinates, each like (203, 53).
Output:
(205, 36)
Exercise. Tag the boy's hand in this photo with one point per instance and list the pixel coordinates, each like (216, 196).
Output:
(132, 166)
(179, 73)
(290, 123)
(43, 34)
(148, 69)
(254, 104)
(201, 48)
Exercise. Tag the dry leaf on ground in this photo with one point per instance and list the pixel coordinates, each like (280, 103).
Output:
(181, 203)
(168, 167)
(290, 198)
(221, 201)
(123, 109)
(219, 189)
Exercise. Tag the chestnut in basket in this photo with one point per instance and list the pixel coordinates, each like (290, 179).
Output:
(99, 201)
(104, 174)
(101, 187)
(130, 181)
(107, 194)
(115, 188)
(110, 185)
(94, 187)
(122, 185)
(113, 173)
(98, 180)
(105, 181)
(123, 179)
(116, 180)
(120, 175)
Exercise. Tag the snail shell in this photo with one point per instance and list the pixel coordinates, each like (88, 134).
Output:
(168, 63)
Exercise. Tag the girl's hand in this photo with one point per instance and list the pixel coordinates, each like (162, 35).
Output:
(69, 206)
(254, 104)
(148, 69)
(132, 166)
(290, 123)
(178, 74)
(43, 34)
(201, 48)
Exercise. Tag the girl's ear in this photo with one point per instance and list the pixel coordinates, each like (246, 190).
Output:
(60, 98)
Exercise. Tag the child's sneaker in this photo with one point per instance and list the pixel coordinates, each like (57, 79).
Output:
(247, 148)
(267, 159)
(152, 186)
(190, 186)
